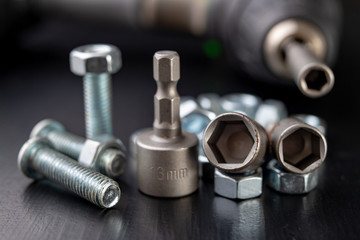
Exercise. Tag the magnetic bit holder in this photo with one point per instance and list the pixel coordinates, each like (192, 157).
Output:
(166, 155)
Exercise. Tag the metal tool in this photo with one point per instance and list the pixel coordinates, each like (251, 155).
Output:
(106, 156)
(236, 145)
(285, 181)
(299, 147)
(166, 155)
(95, 63)
(38, 160)
(271, 40)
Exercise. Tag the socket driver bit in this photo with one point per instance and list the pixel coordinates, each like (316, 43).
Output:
(298, 147)
(166, 155)
(235, 143)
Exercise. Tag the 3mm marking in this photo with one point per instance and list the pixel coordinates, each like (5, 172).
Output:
(161, 174)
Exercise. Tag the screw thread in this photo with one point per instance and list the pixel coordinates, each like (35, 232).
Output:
(98, 104)
(66, 143)
(86, 183)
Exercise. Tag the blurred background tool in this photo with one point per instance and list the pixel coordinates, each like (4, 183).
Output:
(268, 39)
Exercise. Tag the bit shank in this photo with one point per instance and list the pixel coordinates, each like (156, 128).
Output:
(167, 100)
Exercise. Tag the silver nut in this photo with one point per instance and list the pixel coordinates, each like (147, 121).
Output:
(238, 186)
(95, 58)
(210, 102)
(291, 183)
(270, 112)
(240, 102)
(194, 119)
(106, 157)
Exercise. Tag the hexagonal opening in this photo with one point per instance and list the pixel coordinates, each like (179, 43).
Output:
(231, 142)
(316, 79)
(301, 148)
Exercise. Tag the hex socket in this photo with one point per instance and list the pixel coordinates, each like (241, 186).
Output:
(235, 143)
(299, 147)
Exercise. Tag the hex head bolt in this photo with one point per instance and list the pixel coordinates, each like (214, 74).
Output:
(95, 63)
(106, 156)
(299, 147)
(166, 155)
(38, 160)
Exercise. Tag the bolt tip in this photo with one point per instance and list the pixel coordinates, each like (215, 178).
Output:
(110, 195)
(166, 66)
(45, 126)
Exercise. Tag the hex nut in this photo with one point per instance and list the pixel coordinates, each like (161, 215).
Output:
(270, 112)
(95, 58)
(299, 147)
(94, 154)
(235, 143)
(291, 183)
(238, 186)
(240, 102)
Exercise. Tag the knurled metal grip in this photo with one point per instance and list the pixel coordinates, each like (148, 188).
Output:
(166, 155)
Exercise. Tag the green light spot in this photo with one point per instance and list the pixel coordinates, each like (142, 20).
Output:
(212, 48)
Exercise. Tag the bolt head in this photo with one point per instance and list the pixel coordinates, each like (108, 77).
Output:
(26, 153)
(166, 66)
(95, 58)
(107, 157)
(45, 126)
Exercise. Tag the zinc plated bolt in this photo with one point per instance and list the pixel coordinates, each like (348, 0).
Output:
(95, 63)
(38, 160)
(106, 156)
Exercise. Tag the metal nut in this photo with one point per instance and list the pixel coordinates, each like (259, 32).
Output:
(240, 102)
(291, 183)
(93, 150)
(238, 186)
(270, 112)
(95, 58)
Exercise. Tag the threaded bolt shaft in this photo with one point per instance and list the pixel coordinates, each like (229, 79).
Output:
(37, 158)
(108, 158)
(98, 104)
(66, 143)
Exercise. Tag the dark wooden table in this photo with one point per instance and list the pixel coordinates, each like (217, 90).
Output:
(36, 83)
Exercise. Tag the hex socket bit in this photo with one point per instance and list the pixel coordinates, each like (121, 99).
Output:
(235, 143)
(299, 147)
(166, 155)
